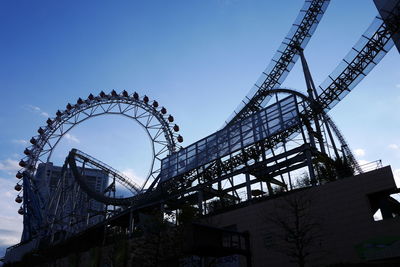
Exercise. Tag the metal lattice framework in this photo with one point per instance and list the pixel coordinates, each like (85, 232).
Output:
(65, 213)
(284, 60)
(256, 159)
(364, 56)
(253, 159)
(123, 179)
(151, 117)
(79, 174)
(75, 204)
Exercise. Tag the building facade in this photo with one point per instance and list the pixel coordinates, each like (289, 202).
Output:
(352, 220)
(66, 202)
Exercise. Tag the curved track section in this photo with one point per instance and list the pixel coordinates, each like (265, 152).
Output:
(153, 118)
(76, 155)
(284, 59)
(363, 57)
(123, 179)
(328, 120)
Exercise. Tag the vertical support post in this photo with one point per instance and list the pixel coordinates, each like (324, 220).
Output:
(270, 190)
(311, 93)
(131, 220)
(248, 186)
(200, 201)
(310, 166)
(248, 251)
(290, 178)
(114, 189)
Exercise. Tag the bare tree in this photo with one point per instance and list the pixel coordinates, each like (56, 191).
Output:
(298, 234)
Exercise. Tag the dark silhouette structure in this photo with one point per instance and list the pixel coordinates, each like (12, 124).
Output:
(279, 144)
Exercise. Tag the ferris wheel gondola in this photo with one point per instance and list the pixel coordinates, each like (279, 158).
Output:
(152, 117)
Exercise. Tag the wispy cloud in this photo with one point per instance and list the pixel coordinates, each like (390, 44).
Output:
(394, 146)
(398, 85)
(72, 138)
(11, 221)
(38, 110)
(137, 179)
(363, 162)
(9, 165)
(20, 141)
(359, 152)
(16, 156)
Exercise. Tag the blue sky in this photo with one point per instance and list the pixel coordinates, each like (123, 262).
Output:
(197, 58)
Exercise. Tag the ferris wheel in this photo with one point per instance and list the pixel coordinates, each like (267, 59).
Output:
(153, 118)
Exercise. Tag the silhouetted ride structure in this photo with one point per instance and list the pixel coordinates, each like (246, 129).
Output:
(274, 136)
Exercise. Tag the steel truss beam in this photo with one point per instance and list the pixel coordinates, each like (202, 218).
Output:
(284, 60)
(373, 48)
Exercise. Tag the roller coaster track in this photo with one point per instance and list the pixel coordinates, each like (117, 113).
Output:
(80, 178)
(248, 158)
(251, 159)
(124, 180)
(364, 56)
(284, 59)
(344, 143)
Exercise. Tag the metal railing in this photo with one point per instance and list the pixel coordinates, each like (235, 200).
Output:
(371, 166)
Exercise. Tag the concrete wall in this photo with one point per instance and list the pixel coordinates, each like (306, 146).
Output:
(341, 210)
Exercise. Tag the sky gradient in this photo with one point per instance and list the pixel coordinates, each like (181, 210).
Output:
(196, 58)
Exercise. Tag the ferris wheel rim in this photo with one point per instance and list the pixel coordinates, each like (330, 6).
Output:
(164, 129)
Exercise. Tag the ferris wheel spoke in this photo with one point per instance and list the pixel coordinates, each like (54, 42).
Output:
(68, 193)
(149, 119)
(94, 109)
(154, 126)
(87, 114)
(44, 152)
(49, 144)
(144, 114)
(104, 110)
(119, 107)
(159, 153)
(158, 133)
(163, 150)
(127, 108)
(160, 142)
(111, 106)
(66, 122)
(54, 136)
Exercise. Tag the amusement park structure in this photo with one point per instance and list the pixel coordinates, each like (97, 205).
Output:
(275, 135)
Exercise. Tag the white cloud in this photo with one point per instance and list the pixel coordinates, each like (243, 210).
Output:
(16, 156)
(71, 138)
(137, 179)
(20, 141)
(363, 162)
(394, 146)
(34, 108)
(359, 152)
(44, 114)
(38, 110)
(9, 165)
(10, 221)
(398, 85)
